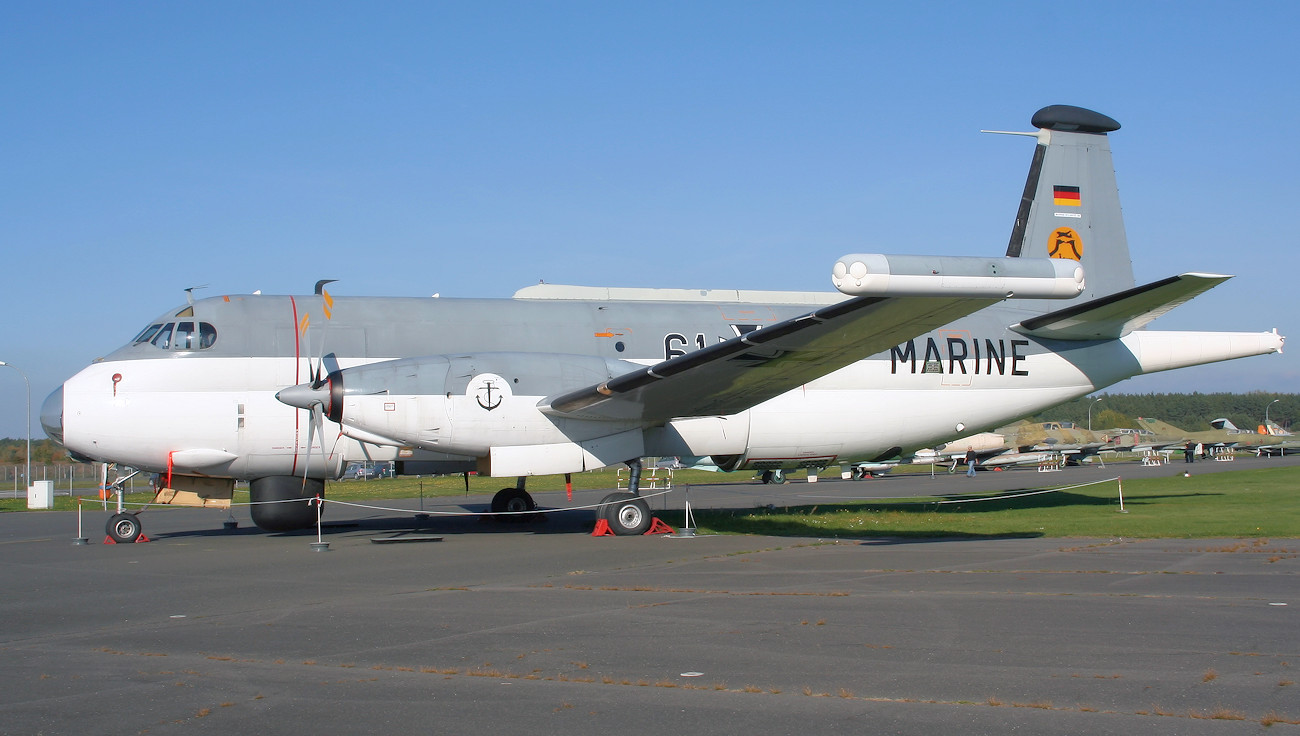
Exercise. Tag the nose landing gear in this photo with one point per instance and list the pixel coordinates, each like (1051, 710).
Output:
(124, 528)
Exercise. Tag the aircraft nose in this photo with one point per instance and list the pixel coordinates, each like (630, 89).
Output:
(52, 415)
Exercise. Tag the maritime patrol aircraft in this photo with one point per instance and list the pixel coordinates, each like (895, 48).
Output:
(284, 391)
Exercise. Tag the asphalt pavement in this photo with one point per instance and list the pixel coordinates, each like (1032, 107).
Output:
(509, 628)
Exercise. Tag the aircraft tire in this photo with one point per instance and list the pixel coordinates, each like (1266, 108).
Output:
(124, 528)
(274, 509)
(513, 501)
(626, 514)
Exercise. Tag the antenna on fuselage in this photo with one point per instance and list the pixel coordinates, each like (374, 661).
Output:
(189, 293)
(320, 285)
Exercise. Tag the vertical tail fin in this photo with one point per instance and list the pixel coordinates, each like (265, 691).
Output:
(1070, 207)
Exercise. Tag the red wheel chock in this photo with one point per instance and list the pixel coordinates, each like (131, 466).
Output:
(658, 527)
(138, 540)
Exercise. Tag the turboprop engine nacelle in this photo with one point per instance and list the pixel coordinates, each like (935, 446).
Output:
(463, 404)
(874, 274)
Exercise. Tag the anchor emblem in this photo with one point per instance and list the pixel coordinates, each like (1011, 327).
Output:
(485, 398)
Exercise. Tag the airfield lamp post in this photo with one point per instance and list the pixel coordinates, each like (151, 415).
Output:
(1274, 401)
(29, 419)
(1094, 403)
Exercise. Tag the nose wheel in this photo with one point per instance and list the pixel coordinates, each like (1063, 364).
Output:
(124, 528)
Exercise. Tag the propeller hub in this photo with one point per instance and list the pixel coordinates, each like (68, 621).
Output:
(305, 395)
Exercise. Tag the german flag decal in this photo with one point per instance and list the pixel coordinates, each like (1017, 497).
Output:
(1065, 243)
(1065, 196)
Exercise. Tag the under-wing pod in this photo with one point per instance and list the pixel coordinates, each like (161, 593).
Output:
(875, 274)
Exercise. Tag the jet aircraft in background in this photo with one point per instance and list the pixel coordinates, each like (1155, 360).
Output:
(285, 391)
(1022, 443)
(1272, 441)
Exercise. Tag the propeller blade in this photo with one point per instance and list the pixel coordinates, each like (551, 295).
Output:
(327, 306)
(311, 435)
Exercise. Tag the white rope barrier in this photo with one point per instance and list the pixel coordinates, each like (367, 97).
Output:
(1030, 493)
(483, 513)
(312, 499)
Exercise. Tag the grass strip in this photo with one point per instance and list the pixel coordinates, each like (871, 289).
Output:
(1246, 503)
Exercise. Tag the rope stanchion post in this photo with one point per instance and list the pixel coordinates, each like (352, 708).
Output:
(688, 524)
(319, 545)
(1120, 482)
(81, 540)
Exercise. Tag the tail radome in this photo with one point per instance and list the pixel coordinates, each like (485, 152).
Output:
(1070, 207)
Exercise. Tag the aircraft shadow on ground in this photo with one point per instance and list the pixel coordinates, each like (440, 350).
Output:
(734, 519)
(788, 521)
(411, 524)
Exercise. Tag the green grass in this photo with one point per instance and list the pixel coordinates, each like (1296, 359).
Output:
(1244, 503)
(1247, 503)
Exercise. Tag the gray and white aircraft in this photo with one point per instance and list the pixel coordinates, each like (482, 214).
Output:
(560, 379)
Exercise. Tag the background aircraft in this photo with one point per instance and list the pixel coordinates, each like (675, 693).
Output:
(1026, 442)
(1224, 434)
(285, 390)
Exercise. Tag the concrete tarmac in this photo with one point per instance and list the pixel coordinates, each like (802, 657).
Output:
(509, 628)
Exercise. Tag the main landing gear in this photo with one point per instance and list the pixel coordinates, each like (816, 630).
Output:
(515, 501)
(626, 512)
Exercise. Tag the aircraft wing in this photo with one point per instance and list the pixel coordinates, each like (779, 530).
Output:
(732, 376)
(1120, 313)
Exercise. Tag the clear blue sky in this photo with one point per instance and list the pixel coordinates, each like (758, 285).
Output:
(472, 148)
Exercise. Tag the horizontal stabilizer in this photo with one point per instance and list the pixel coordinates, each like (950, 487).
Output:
(1119, 314)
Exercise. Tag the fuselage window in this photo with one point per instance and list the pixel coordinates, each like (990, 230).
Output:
(164, 336)
(146, 334)
(184, 338)
(207, 335)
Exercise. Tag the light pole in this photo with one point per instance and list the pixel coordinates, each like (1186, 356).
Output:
(29, 419)
(1094, 403)
(1267, 430)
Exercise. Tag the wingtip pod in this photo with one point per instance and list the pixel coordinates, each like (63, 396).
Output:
(875, 274)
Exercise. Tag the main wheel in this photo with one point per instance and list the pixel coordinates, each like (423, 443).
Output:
(124, 528)
(626, 514)
(512, 500)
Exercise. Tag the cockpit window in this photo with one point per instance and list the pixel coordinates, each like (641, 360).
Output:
(178, 336)
(184, 338)
(164, 336)
(146, 334)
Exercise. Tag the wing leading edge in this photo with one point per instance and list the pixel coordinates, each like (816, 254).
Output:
(734, 375)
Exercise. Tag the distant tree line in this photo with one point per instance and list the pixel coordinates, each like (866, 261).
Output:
(14, 452)
(1192, 412)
